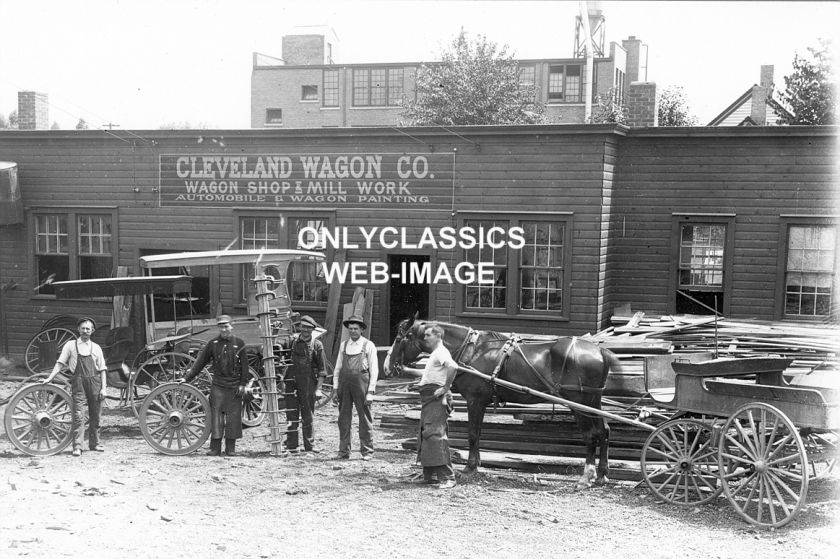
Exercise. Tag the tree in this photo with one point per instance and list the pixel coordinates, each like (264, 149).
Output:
(55, 126)
(82, 124)
(13, 119)
(475, 83)
(3, 122)
(608, 109)
(673, 108)
(810, 89)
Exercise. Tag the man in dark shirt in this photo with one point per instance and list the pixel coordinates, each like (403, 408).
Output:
(226, 354)
(303, 381)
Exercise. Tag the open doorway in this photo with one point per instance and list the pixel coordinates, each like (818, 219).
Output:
(406, 298)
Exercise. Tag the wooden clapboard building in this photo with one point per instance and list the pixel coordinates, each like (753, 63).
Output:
(667, 220)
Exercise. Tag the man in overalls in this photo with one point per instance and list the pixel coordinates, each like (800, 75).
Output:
(356, 373)
(304, 379)
(84, 358)
(229, 361)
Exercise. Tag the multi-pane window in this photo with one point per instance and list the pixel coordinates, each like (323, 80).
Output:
(809, 273)
(487, 296)
(701, 262)
(564, 83)
(527, 81)
(527, 280)
(274, 116)
(309, 93)
(541, 266)
(330, 98)
(305, 281)
(72, 246)
(377, 87)
(619, 86)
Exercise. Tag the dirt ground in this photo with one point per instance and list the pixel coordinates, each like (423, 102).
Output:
(133, 502)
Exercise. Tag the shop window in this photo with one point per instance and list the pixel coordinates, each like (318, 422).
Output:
(309, 93)
(377, 87)
(810, 267)
(305, 281)
(703, 263)
(528, 280)
(274, 117)
(169, 307)
(72, 245)
(330, 98)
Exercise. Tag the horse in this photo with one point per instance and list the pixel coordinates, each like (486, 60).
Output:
(573, 368)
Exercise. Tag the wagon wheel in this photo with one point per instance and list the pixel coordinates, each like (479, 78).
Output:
(173, 419)
(158, 369)
(822, 452)
(43, 349)
(38, 419)
(766, 467)
(679, 462)
(253, 408)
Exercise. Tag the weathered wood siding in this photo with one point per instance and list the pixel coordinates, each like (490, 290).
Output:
(757, 174)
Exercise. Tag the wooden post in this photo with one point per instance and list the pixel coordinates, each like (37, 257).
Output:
(331, 319)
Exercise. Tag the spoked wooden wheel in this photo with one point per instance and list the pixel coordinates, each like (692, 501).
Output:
(39, 420)
(679, 462)
(822, 452)
(160, 368)
(174, 419)
(765, 466)
(43, 349)
(253, 406)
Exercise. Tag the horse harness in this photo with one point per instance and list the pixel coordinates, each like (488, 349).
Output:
(514, 343)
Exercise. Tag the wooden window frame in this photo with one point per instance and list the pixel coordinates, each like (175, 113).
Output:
(72, 216)
(364, 86)
(785, 223)
(331, 88)
(728, 221)
(564, 99)
(512, 308)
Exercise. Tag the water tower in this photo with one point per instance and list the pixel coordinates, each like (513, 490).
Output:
(596, 31)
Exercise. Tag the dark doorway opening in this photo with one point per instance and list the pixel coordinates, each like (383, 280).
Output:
(694, 303)
(406, 298)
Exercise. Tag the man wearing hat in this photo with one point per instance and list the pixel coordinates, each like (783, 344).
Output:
(356, 372)
(229, 367)
(84, 358)
(303, 380)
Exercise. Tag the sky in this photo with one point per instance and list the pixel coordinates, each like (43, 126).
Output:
(144, 64)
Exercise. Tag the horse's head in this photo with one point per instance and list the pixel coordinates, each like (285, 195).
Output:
(407, 346)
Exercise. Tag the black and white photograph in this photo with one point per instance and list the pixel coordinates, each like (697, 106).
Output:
(419, 278)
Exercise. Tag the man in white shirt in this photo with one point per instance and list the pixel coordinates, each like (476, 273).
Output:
(84, 359)
(435, 398)
(355, 376)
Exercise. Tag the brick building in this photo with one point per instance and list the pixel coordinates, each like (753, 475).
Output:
(306, 87)
(744, 219)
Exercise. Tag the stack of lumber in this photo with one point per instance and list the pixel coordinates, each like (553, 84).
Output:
(810, 346)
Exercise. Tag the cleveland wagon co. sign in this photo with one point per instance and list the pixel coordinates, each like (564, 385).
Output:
(383, 180)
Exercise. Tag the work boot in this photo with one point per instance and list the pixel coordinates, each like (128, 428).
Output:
(215, 447)
(230, 447)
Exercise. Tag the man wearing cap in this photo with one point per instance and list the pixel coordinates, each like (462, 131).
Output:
(356, 372)
(229, 362)
(304, 379)
(84, 358)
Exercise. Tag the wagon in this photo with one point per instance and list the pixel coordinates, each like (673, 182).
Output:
(733, 427)
(38, 416)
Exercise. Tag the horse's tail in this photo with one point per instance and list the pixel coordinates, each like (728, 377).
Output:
(611, 363)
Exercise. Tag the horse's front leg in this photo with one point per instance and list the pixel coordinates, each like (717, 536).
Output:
(475, 413)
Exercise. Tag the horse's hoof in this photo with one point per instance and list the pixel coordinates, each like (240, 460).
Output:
(580, 486)
(603, 480)
(469, 472)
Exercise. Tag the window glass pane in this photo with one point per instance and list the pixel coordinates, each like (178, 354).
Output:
(555, 83)
(541, 267)
(701, 255)
(361, 87)
(485, 296)
(810, 270)
(330, 88)
(378, 87)
(306, 280)
(51, 268)
(395, 86)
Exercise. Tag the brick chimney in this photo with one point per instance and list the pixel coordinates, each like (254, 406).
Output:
(33, 111)
(642, 104)
(760, 93)
(633, 46)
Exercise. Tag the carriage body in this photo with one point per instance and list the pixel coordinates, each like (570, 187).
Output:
(739, 428)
